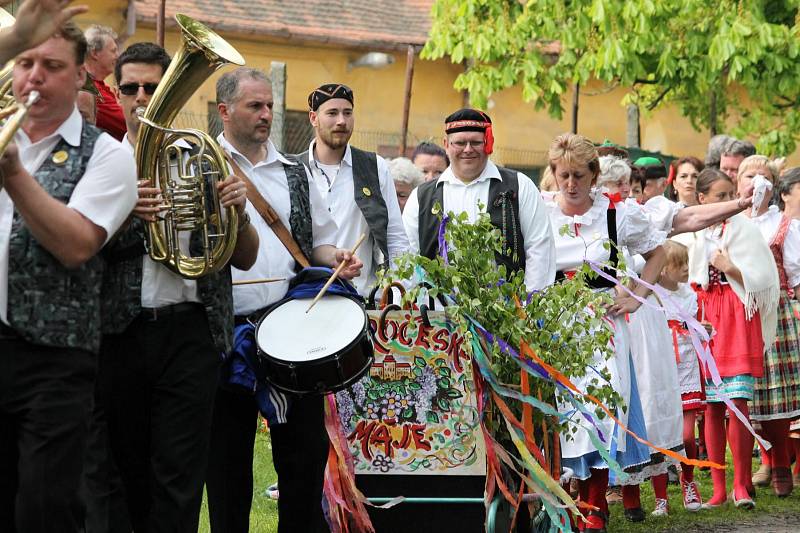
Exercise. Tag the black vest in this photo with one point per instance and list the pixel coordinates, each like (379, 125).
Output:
(367, 194)
(49, 304)
(503, 209)
(613, 259)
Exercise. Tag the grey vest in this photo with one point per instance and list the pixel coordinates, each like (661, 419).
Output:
(503, 211)
(49, 304)
(122, 284)
(368, 197)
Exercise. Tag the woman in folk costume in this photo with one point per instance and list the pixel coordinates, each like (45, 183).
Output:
(593, 219)
(682, 180)
(788, 196)
(656, 373)
(777, 392)
(736, 280)
(673, 280)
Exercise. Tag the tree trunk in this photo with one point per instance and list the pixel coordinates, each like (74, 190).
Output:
(278, 77)
(633, 133)
(712, 113)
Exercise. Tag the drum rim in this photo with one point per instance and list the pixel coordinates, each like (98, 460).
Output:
(345, 385)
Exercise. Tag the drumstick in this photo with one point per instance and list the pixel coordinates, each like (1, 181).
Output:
(253, 281)
(335, 273)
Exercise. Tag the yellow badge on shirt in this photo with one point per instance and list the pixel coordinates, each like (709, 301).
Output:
(435, 209)
(60, 157)
(366, 192)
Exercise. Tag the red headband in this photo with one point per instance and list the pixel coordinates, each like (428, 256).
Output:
(671, 176)
(488, 135)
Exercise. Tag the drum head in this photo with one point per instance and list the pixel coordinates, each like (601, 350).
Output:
(290, 334)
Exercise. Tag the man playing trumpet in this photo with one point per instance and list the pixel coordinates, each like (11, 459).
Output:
(68, 188)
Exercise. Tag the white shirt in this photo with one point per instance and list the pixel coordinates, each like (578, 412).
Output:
(105, 195)
(589, 232)
(460, 197)
(662, 211)
(274, 260)
(768, 225)
(340, 197)
(160, 285)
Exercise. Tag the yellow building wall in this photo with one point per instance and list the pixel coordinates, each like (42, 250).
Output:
(522, 133)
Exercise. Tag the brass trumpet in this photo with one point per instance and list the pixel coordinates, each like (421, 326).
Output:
(11, 112)
(187, 178)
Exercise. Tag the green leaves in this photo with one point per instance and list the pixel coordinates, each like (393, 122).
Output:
(559, 323)
(685, 49)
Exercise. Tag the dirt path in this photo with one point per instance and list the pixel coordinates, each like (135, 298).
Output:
(775, 523)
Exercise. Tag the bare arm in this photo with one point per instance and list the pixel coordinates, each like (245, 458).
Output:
(71, 237)
(233, 192)
(654, 264)
(37, 21)
(698, 217)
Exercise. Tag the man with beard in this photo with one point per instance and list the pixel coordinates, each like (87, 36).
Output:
(356, 185)
(471, 181)
(164, 336)
(299, 440)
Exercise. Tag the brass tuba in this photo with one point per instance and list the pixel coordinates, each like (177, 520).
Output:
(187, 178)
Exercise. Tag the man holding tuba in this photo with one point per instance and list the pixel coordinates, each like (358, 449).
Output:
(68, 188)
(164, 336)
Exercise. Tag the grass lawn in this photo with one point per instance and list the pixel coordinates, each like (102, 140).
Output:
(264, 513)
(681, 520)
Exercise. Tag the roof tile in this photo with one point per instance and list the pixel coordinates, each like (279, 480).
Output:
(364, 23)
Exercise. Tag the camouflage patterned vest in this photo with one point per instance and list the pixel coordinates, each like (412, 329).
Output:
(49, 304)
(300, 206)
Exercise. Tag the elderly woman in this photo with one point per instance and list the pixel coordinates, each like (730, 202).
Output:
(406, 177)
(777, 393)
(594, 220)
(655, 370)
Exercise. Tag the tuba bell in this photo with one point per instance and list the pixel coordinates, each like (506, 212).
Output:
(186, 178)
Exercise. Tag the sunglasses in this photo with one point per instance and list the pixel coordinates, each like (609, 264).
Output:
(130, 89)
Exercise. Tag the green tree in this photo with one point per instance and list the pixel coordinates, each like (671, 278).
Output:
(720, 62)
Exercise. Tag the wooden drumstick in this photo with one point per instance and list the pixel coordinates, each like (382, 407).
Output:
(253, 281)
(335, 273)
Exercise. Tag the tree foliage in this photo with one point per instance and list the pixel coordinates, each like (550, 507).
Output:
(715, 60)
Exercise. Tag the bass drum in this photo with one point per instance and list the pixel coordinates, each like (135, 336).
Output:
(316, 352)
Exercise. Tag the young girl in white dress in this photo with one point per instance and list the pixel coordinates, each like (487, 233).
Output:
(673, 280)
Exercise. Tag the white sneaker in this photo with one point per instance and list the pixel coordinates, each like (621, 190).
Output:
(662, 508)
(691, 496)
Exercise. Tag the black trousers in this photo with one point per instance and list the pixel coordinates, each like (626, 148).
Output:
(102, 489)
(164, 378)
(45, 403)
(299, 453)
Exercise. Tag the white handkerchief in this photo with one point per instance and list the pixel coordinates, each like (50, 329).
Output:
(760, 187)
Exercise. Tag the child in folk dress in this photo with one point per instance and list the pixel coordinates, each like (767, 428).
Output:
(674, 279)
(734, 274)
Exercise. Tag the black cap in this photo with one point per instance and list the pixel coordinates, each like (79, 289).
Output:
(467, 120)
(329, 91)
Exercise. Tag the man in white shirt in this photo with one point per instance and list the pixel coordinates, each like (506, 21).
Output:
(164, 338)
(356, 185)
(68, 188)
(473, 180)
(299, 440)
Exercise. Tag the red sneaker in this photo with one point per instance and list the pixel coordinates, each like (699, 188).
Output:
(691, 496)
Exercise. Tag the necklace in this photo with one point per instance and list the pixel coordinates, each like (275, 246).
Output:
(328, 180)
